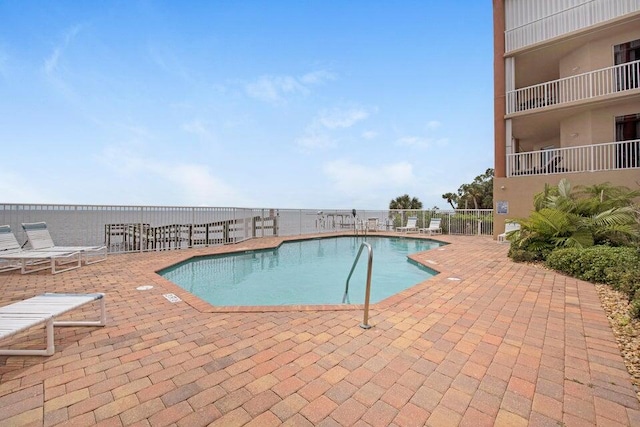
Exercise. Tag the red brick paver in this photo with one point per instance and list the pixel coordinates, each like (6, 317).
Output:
(485, 342)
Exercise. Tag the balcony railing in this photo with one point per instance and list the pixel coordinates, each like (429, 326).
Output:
(562, 22)
(605, 81)
(587, 158)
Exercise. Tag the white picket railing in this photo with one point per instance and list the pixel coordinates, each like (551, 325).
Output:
(531, 22)
(606, 81)
(586, 158)
(156, 228)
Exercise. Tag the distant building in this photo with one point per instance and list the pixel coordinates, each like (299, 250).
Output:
(567, 97)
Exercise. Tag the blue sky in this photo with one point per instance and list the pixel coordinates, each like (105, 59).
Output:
(288, 104)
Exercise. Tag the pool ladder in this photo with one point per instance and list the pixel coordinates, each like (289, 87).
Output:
(345, 298)
(359, 227)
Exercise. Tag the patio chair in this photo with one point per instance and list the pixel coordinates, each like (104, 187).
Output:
(35, 311)
(434, 227)
(40, 239)
(372, 224)
(12, 256)
(552, 166)
(412, 225)
(508, 228)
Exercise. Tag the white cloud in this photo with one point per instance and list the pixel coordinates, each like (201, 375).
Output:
(369, 134)
(198, 128)
(339, 118)
(317, 134)
(275, 89)
(199, 186)
(421, 142)
(138, 132)
(414, 141)
(51, 62)
(433, 124)
(317, 77)
(169, 62)
(192, 183)
(353, 179)
(314, 140)
(15, 188)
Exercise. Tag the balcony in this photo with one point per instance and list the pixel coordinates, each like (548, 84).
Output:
(525, 28)
(610, 156)
(594, 84)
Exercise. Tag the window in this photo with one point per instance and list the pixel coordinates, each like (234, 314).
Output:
(628, 153)
(627, 76)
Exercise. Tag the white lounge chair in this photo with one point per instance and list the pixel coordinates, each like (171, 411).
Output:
(372, 224)
(12, 256)
(23, 315)
(508, 228)
(40, 239)
(412, 225)
(434, 227)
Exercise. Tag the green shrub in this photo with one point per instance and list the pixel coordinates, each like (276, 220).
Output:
(600, 264)
(523, 255)
(564, 260)
(533, 251)
(634, 310)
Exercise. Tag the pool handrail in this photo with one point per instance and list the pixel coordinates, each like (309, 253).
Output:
(365, 321)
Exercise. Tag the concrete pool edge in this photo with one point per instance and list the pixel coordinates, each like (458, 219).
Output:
(273, 243)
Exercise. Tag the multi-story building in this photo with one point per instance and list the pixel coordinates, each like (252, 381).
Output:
(567, 97)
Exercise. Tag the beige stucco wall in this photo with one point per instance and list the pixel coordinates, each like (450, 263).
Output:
(603, 126)
(602, 49)
(580, 123)
(596, 126)
(519, 191)
(576, 62)
(539, 145)
(594, 55)
(576, 130)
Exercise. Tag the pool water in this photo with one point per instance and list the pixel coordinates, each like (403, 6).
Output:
(304, 272)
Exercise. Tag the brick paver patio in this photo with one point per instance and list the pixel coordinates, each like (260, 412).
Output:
(507, 344)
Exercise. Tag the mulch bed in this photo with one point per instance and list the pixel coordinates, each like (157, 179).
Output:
(625, 329)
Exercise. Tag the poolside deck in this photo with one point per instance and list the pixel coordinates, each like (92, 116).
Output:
(508, 344)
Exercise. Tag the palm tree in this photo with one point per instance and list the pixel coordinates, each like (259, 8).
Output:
(450, 198)
(598, 214)
(479, 192)
(602, 197)
(405, 203)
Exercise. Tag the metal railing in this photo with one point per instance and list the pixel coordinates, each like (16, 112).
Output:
(367, 294)
(586, 158)
(606, 81)
(126, 229)
(560, 22)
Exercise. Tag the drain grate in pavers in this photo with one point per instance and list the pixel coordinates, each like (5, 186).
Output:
(173, 298)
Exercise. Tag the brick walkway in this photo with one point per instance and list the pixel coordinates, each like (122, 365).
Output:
(507, 344)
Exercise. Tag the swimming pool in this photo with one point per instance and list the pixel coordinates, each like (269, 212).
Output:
(303, 272)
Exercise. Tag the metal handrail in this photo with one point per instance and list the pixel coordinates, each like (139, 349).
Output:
(364, 324)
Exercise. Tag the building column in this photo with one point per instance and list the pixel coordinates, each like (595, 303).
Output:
(499, 102)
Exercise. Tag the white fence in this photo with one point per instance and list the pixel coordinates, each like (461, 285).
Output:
(589, 85)
(154, 228)
(529, 22)
(585, 158)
